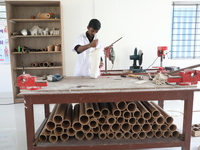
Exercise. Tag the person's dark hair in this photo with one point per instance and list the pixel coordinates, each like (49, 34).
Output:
(95, 24)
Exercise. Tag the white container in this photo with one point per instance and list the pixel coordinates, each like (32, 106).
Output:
(95, 62)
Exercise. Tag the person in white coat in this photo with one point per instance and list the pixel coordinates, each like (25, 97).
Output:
(83, 45)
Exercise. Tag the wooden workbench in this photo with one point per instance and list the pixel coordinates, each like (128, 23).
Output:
(106, 89)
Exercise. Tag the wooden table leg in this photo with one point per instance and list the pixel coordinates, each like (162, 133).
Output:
(187, 120)
(30, 131)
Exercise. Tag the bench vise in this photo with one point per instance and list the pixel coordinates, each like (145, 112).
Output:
(186, 77)
(28, 82)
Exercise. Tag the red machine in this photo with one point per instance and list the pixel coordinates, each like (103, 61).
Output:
(186, 77)
(28, 82)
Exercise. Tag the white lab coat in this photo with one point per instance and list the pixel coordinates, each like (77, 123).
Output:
(83, 61)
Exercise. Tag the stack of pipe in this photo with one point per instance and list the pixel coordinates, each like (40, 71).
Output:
(43, 64)
(136, 120)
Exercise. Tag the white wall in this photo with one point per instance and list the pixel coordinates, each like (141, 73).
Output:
(143, 24)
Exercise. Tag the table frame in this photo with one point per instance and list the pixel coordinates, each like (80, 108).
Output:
(160, 95)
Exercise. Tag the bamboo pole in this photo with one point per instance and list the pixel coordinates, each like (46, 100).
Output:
(125, 127)
(80, 135)
(115, 127)
(175, 134)
(146, 127)
(158, 134)
(167, 117)
(119, 135)
(102, 120)
(121, 105)
(126, 114)
(110, 119)
(160, 120)
(136, 128)
(96, 130)
(134, 136)
(97, 112)
(93, 123)
(145, 113)
(77, 126)
(58, 131)
(166, 134)
(104, 109)
(59, 113)
(83, 117)
(111, 135)
(50, 125)
(137, 113)
(86, 128)
(53, 138)
(141, 121)
(64, 137)
(89, 135)
(89, 110)
(71, 131)
(102, 135)
(142, 135)
(132, 121)
(105, 127)
(127, 135)
(120, 120)
(155, 127)
(154, 111)
(67, 120)
(150, 134)
(131, 106)
(172, 127)
(114, 110)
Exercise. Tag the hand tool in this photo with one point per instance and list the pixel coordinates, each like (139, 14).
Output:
(110, 53)
(186, 77)
(140, 77)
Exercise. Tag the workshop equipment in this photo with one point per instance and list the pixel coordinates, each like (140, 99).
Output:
(28, 82)
(140, 77)
(186, 77)
(161, 52)
(110, 53)
(137, 56)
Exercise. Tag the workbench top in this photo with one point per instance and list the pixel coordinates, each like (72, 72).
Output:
(104, 84)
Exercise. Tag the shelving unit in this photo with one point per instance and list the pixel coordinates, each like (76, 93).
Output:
(18, 18)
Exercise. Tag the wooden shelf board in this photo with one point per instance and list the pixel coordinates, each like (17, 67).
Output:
(42, 52)
(34, 3)
(33, 36)
(33, 68)
(34, 20)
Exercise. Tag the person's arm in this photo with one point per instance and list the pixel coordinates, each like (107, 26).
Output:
(82, 48)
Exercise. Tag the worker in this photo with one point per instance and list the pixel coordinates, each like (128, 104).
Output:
(84, 44)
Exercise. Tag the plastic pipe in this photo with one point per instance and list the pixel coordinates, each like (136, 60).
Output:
(89, 136)
(71, 131)
(58, 131)
(114, 110)
(154, 111)
(97, 112)
(53, 138)
(64, 137)
(121, 105)
(105, 127)
(131, 106)
(86, 128)
(126, 114)
(115, 127)
(125, 127)
(96, 130)
(119, 135)
(89, 110)
(150, 134)
(146, 127)
(111, 135)
(93, 123)
(111, 120)
(142, 135)
(50, 125)
(104, 109)
(77, 126)
(137, 113)
(80, 135)
(136, 128)
(120, 120)
(127, 135)
(102, 135)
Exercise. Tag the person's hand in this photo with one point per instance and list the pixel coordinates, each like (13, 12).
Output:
(94, 43)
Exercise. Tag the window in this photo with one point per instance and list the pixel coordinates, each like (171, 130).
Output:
(185, 30)
(2, 11)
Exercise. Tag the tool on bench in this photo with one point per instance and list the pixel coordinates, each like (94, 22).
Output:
(110, 53)
(28, 82)
(139, 77)
(137, 56)
(161, 52)
(186, 77)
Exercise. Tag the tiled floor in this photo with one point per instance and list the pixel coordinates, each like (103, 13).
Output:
(13, 132)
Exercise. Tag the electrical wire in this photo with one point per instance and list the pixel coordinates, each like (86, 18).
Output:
(152, 63)
(11, 103)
